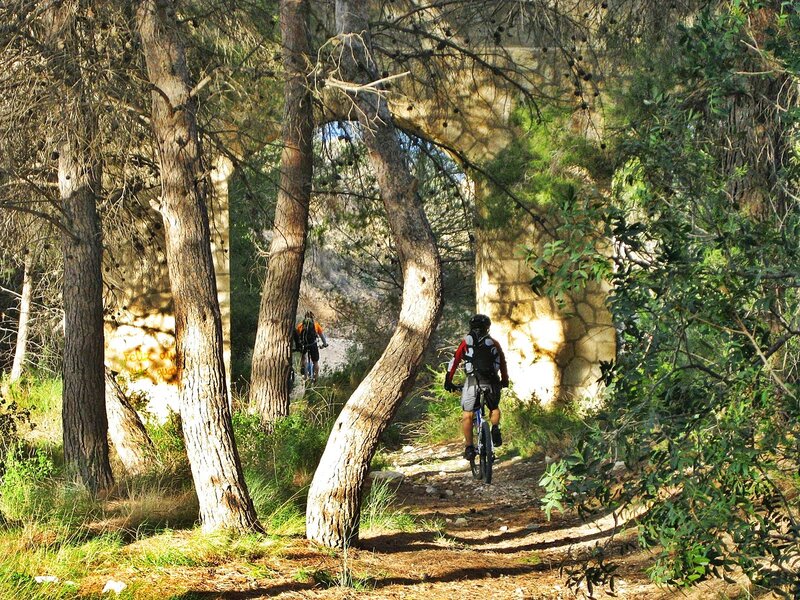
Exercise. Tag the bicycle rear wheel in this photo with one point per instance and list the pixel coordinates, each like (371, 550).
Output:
(486, 456)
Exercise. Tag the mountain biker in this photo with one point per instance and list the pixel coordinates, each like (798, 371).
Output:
(307, 332)
(483, 358)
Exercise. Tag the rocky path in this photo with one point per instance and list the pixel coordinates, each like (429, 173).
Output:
(495, 540)
(472, 541)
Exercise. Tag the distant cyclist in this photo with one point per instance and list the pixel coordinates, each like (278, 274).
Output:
(485, 367)
(308, 330)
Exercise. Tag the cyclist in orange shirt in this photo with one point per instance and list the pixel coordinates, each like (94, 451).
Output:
(308, 330)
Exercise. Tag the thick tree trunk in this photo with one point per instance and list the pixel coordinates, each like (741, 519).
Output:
(269, 392)
(208, 432)
(21, 348)
(84, 422)
(334, 500)
(84, 407)
(126, 430)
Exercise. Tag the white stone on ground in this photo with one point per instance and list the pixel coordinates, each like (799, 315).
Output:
(115, 586)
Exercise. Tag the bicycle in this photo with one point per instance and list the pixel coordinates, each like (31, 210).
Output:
(306, 364)
(482, 439)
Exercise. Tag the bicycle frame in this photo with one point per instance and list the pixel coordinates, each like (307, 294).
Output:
(484, 447)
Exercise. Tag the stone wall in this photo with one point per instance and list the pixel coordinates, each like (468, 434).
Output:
(140, 324)
(553, 352)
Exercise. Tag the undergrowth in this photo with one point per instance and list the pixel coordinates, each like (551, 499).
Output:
(528, 428)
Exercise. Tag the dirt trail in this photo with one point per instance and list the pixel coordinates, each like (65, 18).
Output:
(495, 543)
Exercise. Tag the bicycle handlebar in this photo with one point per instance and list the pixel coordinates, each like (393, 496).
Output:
(304, 347)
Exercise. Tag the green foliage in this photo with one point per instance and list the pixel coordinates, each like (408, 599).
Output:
(278, 466)
(167, 437)
(529, 427)
(377, 510)
(440, 416)
(25, 485)
(702, 403)
(554, 481)
(532, 428)
(253, 194)
(12, 417)
(538, 168)
(33, 402)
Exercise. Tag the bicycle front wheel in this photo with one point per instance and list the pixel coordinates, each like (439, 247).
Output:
(476, 468)
(486, 456)
(477, 471)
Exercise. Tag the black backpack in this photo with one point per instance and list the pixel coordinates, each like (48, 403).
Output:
(308, 335)
(483, 357)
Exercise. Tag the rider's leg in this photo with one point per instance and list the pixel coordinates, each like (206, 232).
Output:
(494, 418)
(466, 427)
(493, 401)
(316, 370)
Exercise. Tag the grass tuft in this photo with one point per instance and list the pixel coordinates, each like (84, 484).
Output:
(377, 512)
(531, 428)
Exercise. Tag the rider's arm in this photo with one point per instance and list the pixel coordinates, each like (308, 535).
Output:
(501, 357)
(462, 348)
(318, 329)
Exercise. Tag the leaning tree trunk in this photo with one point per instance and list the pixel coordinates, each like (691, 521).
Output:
(269, 392)
(126, 430)
(21, 348)
(334, 500)
(205, 412)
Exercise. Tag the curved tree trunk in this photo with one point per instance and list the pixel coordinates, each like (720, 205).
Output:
(205, 412)
(21, 347)
(334, 500)
(129, 436)
(269, 392)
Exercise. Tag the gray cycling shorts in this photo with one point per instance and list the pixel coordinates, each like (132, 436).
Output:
(491, 396)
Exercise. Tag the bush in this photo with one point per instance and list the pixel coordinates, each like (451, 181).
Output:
(32, 402)
(24, 488)
(278, 466)
(439, 413)
(11, 418)
(532, 428)
(167, 437)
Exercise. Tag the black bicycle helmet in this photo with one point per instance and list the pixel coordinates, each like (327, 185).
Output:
(480, 322)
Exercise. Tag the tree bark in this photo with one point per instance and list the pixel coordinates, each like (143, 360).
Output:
(269, 391)
(84, 421)
(126, 430)
(21, 347)
(84, 408)
(205, 412)
(334, 500)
